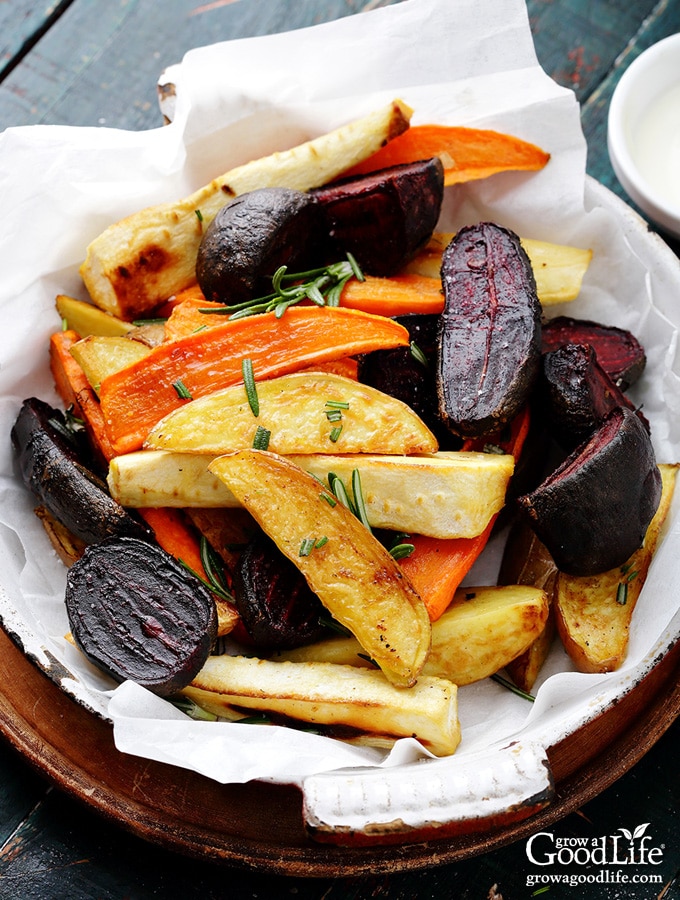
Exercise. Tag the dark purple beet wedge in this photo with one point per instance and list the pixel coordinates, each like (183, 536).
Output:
(137, 614)
(490, 331)
(593, 511)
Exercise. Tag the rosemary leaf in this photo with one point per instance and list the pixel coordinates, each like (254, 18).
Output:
(401, 551)
(359, 502)
(512, 687)
(418, 354)
(307, 546)
(622, 593)
(183, 391)
(261, 438)
(249, 384)
(336, 431)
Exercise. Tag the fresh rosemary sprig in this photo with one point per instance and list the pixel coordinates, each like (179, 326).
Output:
(249, 384)
(216, 581)
(322, 286)
(512, 687)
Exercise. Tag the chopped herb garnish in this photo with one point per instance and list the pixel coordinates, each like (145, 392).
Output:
(418, 355)
(359, 502)
(331, 501)
(622, 593)
(336, 431)
(199, 215)
(337, 404)
(323, 286)
(138, 323)
(512, 687)
(183, 391)
(249, 384)
(321, 541)
(334, 415)
(307, 546)
(401, 551)
(212, 565)
(261, 438)
(493, 448)
(340, 491)
(327, 621)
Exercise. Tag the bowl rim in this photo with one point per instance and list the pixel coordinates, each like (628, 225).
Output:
(645, 195)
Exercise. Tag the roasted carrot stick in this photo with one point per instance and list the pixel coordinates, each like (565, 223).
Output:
(437, 566)
(134, 399)
(467, 153)
(75, 390)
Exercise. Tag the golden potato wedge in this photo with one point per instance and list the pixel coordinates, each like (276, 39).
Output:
(594, 613)
(483, 629)
(448, 494)
(354, 576)
(558, 269)
(101, 356)
(526, 560)
(305, 412)
(147, 257)
(86, 319)
(326, 694)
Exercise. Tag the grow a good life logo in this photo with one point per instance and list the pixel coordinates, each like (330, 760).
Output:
(612, 856)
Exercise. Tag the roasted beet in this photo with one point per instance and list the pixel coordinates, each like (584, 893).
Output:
(278, 608)
(51, 467)
(137, 614)
(385, 217)
(578, 394)
(592, 512)
(405, 374)
(250, 238)
(490, 330)
(618, 351)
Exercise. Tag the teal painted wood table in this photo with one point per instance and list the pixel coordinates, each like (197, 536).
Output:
(96, 63)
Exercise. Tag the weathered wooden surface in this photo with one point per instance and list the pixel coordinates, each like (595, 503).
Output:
(93, 62)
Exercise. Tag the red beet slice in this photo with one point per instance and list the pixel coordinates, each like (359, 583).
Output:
(490, 330)
(618, 351)
(384, 218)
(137, 614)
(593, 511)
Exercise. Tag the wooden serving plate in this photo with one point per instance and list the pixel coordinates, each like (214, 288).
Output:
(259, 825)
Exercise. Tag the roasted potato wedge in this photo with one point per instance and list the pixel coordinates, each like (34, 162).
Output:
(353, 575)
(594, 612)
(558, 269)
(326, 694)
(305, 412)
(86, 319)
(100, 356)
(527, 561)
(447, 494)
(483, 629)
(147, 257)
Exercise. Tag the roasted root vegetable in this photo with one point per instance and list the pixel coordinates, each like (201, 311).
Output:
(383, 218)
(466, 153)
(594, 612)
(593, 511)
(445, 495)
(558, 269)
(353, 575)
(307, 412)
(483, 629)
(86, 319)
(137, 614)
(617, 351)
(490, 331)
(331, 695)
(250, 238)
(136, 398)
(578, 394)
(147, 257)
(52, 468)
(278, 609)
(102, 355)
(527, 561)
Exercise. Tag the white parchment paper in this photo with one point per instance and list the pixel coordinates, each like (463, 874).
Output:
(467, 62)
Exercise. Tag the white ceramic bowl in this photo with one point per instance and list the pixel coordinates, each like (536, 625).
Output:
(644, 132)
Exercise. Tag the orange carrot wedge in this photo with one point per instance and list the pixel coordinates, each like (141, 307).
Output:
(437, 566)
(75, 390)
(466, 153)
(134, 399)
(395, 296)
(179, 539)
